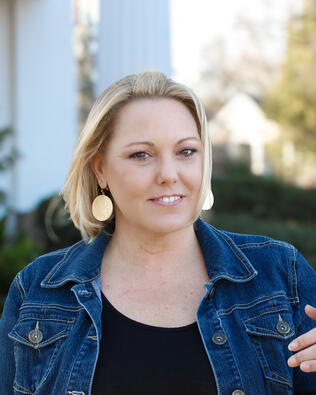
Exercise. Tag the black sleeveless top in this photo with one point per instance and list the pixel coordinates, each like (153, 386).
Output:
(139, 359)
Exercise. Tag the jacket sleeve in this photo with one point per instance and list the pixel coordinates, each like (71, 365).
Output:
(8, 319)
(304, 283)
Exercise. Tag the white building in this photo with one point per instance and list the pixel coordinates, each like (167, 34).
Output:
(240, 130)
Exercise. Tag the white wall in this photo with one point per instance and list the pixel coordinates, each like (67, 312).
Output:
(45, 97)
(5, 86)
(133, 36)
(5, 75)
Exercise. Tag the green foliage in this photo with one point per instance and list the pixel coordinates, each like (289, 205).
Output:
(7, 158)
(56, 230)
(13, 257)
(54, 224)
(238, 191)
(292, 101)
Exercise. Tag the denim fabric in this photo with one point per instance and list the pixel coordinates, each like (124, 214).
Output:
(252, 308)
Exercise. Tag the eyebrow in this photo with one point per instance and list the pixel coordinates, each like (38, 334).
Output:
(152, 144)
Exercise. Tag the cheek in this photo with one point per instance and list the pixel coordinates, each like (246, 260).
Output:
(127, 183)
(193, 175)
(198, 182)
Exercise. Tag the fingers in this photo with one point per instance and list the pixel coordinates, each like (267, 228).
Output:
(305, 347)
(310, 311)
(305, 340)
(308, 366)
(305, 359)
(308, 338)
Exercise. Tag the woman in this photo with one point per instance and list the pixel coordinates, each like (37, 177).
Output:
(156, 301)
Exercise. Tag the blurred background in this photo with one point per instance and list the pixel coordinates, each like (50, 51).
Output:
(251, 62)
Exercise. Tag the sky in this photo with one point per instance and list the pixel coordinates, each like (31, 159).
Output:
(195, 23)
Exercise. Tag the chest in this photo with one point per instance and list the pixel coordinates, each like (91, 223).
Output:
(159, 302)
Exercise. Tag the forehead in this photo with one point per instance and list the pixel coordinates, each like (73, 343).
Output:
(154, 117)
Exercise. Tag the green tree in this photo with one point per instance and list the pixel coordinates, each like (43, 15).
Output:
(292, 100)
(7, 158)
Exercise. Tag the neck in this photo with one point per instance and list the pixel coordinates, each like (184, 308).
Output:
(138, 249)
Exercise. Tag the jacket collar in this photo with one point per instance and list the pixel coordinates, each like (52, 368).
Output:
(224, 260)
(81, 263)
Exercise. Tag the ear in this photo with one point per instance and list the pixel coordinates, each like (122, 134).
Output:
(98, 168)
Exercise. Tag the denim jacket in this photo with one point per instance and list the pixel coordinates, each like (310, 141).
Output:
(253, 306)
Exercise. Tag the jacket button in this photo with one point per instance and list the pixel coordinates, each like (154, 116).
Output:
(219, 338)
(238, 392)
(35, 335)
(283, 327)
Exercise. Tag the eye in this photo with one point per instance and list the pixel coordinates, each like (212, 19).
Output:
(141, 155)
(187, 152)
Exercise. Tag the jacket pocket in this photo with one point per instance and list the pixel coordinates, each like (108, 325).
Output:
(37, 341)
(270, 334)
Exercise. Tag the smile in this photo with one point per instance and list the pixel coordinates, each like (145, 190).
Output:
(168, 200)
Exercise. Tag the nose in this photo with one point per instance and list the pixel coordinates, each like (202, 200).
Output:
(167, 172)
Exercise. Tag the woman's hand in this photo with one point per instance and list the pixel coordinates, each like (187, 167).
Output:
(305, 347)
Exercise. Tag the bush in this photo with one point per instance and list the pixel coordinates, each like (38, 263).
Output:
(13, 258)
(50, 227)
(54, 224)
(238, 191)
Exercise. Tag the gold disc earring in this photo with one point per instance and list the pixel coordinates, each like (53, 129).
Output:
(102, 207)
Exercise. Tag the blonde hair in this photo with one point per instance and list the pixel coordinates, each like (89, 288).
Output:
(81, 186)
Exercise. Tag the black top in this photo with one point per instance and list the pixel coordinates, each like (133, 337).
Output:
(136, 358)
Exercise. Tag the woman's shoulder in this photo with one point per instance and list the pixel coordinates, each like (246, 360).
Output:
(251, 242)
(35, 271)
(265, 254)
(54, 256)
(280, 268)
(246, 241)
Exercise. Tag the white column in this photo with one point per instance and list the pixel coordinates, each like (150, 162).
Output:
(7, 84)
(133, 36)
(45, 97)
(5, 70)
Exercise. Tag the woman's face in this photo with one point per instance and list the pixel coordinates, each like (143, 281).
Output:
(153, 165)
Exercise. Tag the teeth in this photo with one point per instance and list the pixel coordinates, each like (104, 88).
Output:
(169, 199)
